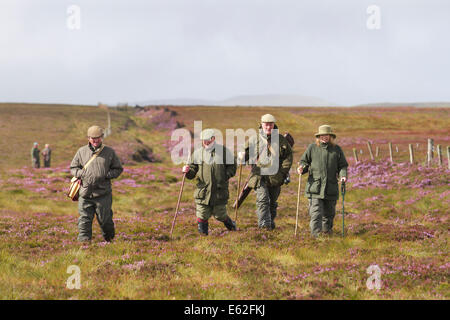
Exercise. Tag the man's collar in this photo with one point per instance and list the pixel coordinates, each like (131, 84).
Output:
(210, 148)
(93, 149)
(264, 135)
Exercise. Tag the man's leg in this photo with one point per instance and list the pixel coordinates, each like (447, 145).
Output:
(86, 209)
(328, 215)
(220, 213)
(274, 193)
(315, 213)
(105, 216)
(203, 213)
(263, 206)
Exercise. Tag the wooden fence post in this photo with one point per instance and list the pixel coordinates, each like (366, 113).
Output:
(439, 155)
(355, 155)
(448, 156)
(390, 151)
(369, 145)
(430, 152)
(377, 149)
(411, 154)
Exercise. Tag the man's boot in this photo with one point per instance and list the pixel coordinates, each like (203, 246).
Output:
(202, 226)
(230, 224)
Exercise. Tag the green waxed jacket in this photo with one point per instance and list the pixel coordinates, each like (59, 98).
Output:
(96, 179)
(324, 163)
(285, 159)
(212, 172)
(35, 154)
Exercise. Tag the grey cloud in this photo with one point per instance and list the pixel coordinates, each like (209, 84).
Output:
(143, 50)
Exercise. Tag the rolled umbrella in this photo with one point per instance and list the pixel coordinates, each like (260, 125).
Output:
(343, 206)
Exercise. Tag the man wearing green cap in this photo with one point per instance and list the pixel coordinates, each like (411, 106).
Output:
(95, 193)
(212, 165)
(325, 161)
(267, 147)
(35, 159)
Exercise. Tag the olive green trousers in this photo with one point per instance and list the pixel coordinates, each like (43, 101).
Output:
(322, 214)
(99, 207)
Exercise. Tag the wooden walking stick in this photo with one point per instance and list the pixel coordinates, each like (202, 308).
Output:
(237, 193)
(179, 199)
(298, 202)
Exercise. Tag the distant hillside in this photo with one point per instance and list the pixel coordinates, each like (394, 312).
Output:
(277, 100)
(64, 128)
(269, 100)
(408, 104)
(143, 134)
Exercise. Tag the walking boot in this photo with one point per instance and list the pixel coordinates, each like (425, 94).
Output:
(230, 224)
(202, 227)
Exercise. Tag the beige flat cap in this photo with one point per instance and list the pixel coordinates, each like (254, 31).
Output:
(95, 132)
(268, 118)
(207, 134)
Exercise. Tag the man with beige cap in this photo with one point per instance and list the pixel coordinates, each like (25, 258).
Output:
(95, 193)
(47, 155)
(266, 150)
(212, 165)
(325, 161)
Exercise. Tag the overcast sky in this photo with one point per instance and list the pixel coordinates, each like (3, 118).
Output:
(137, 50)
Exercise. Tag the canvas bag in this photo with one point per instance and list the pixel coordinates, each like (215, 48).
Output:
(75, 183)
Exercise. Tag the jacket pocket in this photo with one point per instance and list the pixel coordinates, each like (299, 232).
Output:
(200, 193)
(314, 186)
(277, 179)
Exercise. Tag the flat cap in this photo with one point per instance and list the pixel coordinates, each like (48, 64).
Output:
(268, 118)
(207, 134)
(95, 132)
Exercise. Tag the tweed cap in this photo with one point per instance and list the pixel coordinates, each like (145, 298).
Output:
(268, 118)
(207, 134)
(95, 132)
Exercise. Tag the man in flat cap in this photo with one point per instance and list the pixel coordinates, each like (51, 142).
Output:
(47, 155)
(270, 155)
(212, 165)
(95, 193)
(325, 161)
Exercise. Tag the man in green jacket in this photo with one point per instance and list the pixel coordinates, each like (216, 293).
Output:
(35, 159)
(325, 161)
(95, 193)
(270, 155)
(213, 165)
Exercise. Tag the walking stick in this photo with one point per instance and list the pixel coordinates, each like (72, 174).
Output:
(179, 200)
(298, 202)
(237, 193)
(343, 207)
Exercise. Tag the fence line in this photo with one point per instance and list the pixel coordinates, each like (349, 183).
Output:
(429, 156)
